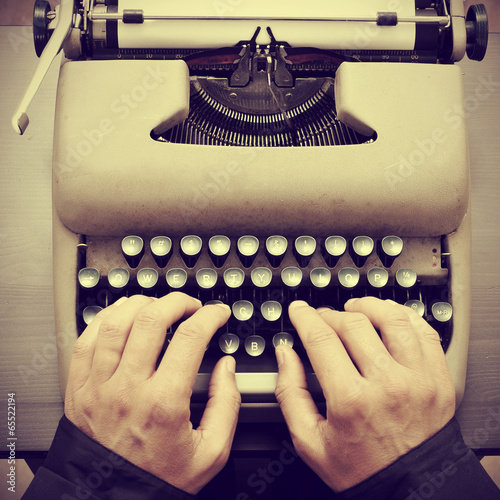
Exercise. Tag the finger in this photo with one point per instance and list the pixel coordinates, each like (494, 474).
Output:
(221, 413)
(395, 327)
(182, 359)
(296, 403)
(360, 339)
(430, 344)
(112, 336)
(83, 352)
(326, 352)
(149, 329)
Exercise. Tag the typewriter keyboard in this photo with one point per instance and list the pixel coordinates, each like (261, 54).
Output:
(259, 277)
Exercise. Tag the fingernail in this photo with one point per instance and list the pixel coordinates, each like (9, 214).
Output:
(230, 364)
(121, 300)
(298, 303)
(280, 357)
(325, 309)
(198, 301)
(224, 306)
(350, 302)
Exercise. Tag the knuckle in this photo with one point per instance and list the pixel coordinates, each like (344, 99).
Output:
(111, 330)
(398, 317)
(428, 393)
(191, 330)
(397, 388)
(149, 318)
(431, 335)
(167, 410)
(81, 348)
(353, 322)
(319, 336)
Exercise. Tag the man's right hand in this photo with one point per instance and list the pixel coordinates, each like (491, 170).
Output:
(384, 394)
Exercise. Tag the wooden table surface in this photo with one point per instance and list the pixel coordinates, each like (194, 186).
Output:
(28, 354)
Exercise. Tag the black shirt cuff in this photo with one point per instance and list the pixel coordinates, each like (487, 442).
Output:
(441, 468)
(81, 468)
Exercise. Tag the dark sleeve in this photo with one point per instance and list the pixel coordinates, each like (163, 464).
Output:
(441, 468)
(77, 467)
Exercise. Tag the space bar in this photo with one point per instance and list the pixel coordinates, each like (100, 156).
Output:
(254, 386)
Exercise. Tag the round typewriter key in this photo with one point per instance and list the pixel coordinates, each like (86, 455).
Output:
(229, 343)
(392, 245)
(442, 311)
(118, 278)
(275, 249)
(234, 277)
(191, 249)
(89, 313)
(416, 305)
(283, 338)
(271, 310)
(176, 277)
(206, 278)
(161, 248)
(320, 277)
(219, 247)
(390, 248)
(406, 278)
(335, 246)
(242, 310)
(291, 276)
(88, 277)
(147, 278)
(348, 277)
(133, 250)
(377, 277)
(362, 246)
(304, 248)
(247, 246)
(261, 276)
(255, 345)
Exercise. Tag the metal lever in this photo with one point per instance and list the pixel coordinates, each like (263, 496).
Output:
(20, 118)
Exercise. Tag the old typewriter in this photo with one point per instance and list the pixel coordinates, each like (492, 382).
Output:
(259, 152)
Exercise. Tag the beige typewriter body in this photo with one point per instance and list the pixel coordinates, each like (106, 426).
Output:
(129, 85)
(111, 179)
